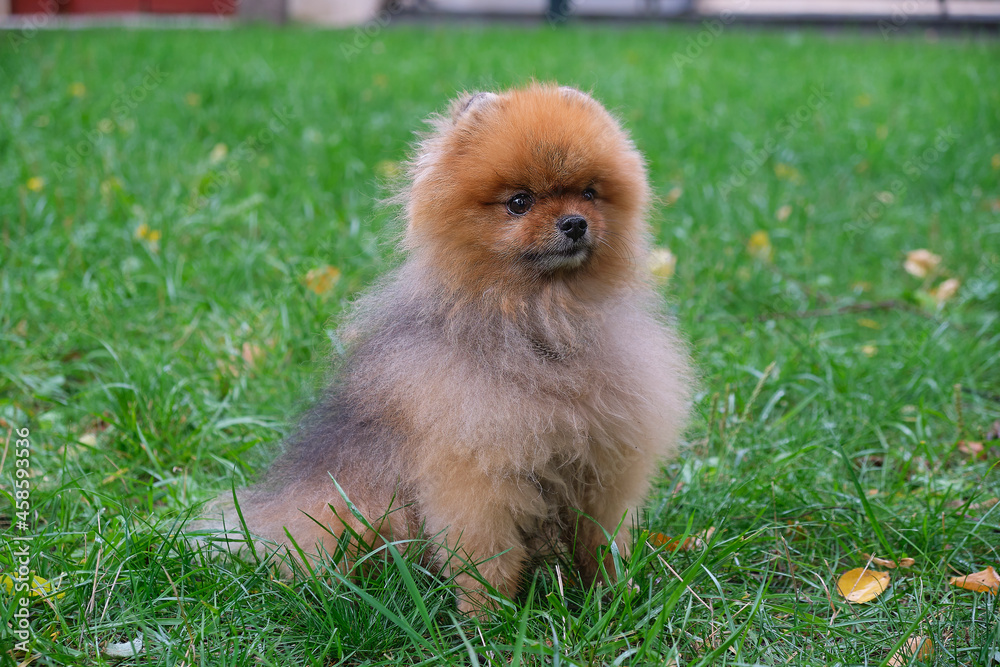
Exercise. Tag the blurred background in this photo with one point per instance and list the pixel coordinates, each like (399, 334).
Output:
(353, 12)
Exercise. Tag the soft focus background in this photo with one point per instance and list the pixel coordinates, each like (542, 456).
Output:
(188, 205)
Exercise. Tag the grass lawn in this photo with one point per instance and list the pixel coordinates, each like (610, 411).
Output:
(172, 203)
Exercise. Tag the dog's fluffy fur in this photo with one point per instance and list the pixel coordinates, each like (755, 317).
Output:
(513, 379)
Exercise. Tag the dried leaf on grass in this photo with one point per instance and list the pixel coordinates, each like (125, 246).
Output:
(921, 262)
(672, 196)
(890, 564)
(251, 353)
(37, 587)
(862, 585)
(985, 504)
(389, 169)
(920, 648)
(662, 263)
(971, 448)
(984, 581)
(977, 450)
(786, 172)
(322, 279)
(759, 246)
(690, 543)
(946, 290)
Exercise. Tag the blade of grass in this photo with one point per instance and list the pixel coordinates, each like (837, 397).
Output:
(869, 512)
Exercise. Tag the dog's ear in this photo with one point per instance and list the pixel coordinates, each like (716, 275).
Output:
(575, 93)
(469, 103)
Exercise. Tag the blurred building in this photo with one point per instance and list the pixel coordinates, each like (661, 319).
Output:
(360, 12)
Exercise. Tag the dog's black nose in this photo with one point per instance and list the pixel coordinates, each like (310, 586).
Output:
(573, 226)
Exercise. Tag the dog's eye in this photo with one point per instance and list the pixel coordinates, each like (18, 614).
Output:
(589, 194)
(520, 203)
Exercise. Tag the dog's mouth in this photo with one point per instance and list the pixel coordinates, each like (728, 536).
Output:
(570, 257)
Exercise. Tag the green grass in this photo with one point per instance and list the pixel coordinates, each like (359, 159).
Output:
(123, 355)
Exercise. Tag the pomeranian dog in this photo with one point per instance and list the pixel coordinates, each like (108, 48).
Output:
(513, 383)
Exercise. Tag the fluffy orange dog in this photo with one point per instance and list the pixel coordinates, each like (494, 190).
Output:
(512, 381)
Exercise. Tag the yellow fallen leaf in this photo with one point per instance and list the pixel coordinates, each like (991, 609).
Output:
(662, 263)
(322, 279)
(869, 324)
(995, 161)
(862, 585)
(920, 262)
(984, 581)
(38, 588)
(919, 647)
(759, 246)
(388, 169)
(77, 89)
(786, 172)
(869, 350)
(218, 153)
(36, 183)
(782, 213)
(146, 234)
